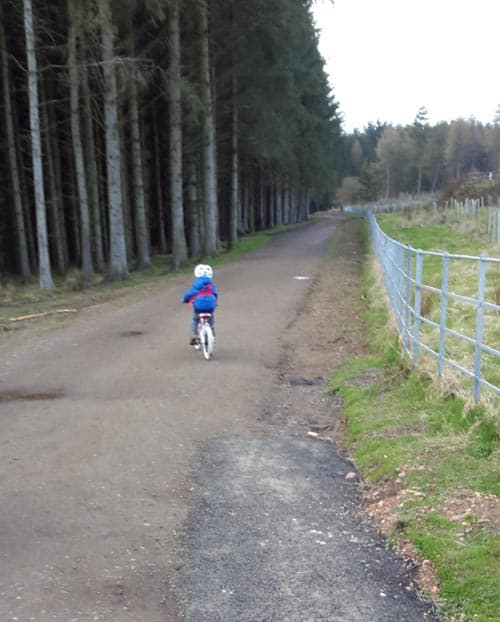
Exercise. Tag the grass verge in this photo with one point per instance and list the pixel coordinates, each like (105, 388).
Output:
(433, 465)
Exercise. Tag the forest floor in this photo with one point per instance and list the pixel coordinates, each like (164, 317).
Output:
(142, 483)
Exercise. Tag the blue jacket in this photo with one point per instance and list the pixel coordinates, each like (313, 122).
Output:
(203, 295)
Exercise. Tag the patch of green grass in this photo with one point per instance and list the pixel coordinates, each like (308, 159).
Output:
(400, 421)
(448, 416)
(489, 482)
(485, 439)
(353, 369)
(429, 237)
(381, 458)
(472, 590)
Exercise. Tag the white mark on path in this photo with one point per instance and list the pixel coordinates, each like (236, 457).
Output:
(302, 278)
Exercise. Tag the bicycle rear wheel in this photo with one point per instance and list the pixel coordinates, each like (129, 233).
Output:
(207, 341)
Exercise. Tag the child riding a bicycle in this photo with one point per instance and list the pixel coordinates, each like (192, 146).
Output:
(203, 295)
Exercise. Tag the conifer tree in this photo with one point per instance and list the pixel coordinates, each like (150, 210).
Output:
(44, 268)
(118, 268)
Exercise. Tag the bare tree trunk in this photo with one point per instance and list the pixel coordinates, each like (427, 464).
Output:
(92, 174)
(245, 225)
(262, 224)
(209, 176)
(141, 228)
(104, 212)
(128, 216)
(294, 204)
(241, 213)
(214, 143)
(81, 180)
(233, 209)
(194, 220)
(45, 275)
(28, 216)
(118, 268)
(162, 241)
(279, 200)
(251, 199)
(299, 203)
(179, 247)
(272, 201)
(140, 221)
(435, 180)
(55, 194)
(53, 159)
(286, 202)
(22, 244)
(141, 224)
(74, 221)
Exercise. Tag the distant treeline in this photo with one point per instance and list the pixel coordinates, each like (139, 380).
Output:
(384, 161)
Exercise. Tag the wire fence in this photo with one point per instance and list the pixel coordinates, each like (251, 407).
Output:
(447, 312)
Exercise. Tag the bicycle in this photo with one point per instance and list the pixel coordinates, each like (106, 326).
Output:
(206, 338)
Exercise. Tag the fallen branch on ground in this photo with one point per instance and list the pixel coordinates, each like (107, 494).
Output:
(36, 315)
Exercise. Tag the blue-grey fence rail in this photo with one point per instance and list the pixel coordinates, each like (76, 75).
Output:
(403, 268)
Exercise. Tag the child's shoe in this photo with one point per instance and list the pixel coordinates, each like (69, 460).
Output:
(194, 340)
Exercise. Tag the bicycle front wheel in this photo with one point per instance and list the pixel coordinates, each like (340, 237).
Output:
(207, 341)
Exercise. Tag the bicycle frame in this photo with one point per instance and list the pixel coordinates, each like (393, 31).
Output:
(206, 340)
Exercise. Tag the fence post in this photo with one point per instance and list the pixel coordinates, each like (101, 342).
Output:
(408, 297)
(479, 328)
(418, 300)
(444, 308)
(400, 297)
(498, 228)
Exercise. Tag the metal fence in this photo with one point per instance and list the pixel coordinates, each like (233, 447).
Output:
(430, 316)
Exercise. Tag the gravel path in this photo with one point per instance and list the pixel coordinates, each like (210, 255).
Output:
(139, 481)
(276, 535)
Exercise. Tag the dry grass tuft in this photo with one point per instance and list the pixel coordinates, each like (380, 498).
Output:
(496, 293)
(427, 302)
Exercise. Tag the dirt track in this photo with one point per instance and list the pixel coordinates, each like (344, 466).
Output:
(106, 423)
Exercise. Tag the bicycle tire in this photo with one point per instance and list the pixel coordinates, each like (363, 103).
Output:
(207, 341)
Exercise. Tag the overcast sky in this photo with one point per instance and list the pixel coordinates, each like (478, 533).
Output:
(387, 58)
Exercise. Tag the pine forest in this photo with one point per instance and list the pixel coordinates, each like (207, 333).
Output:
(133, 128)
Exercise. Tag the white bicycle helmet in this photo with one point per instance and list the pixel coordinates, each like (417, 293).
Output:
(203, 270)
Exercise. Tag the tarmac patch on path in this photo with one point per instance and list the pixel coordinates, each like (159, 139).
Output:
(276, 535)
